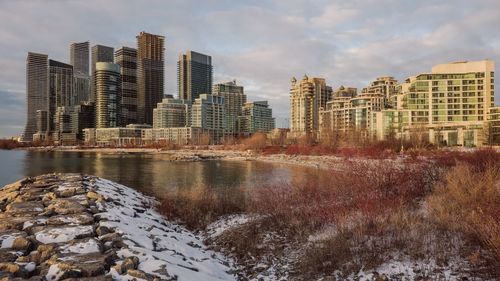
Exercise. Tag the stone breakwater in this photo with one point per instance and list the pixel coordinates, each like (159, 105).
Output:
(75, 227)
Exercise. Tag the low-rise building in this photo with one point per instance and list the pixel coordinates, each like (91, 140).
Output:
(180, 135)
(118, 136)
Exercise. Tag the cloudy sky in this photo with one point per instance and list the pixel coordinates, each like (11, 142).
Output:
(261, 44)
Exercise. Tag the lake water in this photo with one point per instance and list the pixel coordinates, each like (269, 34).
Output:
(150, 173)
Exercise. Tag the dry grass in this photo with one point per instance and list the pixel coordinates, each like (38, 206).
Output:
(469, 201)
(200, 206)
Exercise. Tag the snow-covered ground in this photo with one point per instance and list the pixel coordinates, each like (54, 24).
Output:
(164, 249)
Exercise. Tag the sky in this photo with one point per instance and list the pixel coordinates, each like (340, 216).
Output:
(261, 44)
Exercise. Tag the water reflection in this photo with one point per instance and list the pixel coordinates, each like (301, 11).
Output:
(152, 174)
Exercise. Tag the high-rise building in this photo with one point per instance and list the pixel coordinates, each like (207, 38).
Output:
(41, 125)
(81, 88)
(60, 89)
(256, 116)
(171, 113)
(234, 99)
(99, 53)
(79, 57)
(150, 75)
(127, 59)
(194, 74)
(208, 113)
(37, 77)
(108, 95)
(307, 97)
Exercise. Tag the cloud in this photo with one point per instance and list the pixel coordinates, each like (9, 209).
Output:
(262, 44)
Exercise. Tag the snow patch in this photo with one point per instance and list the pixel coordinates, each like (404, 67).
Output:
(62, 234)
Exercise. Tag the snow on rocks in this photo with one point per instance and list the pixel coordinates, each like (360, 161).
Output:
(69, 226)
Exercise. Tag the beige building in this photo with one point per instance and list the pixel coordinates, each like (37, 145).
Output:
(449, 105)
(307, 97)
(345, 113)
(385, 85)
(129, 135)
(171, 113)
(180, 136)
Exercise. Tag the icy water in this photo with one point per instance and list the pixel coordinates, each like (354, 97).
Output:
(150, 173)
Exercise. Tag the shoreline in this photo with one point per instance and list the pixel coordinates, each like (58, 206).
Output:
(194, 155)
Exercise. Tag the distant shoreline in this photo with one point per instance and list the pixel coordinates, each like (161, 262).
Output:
(194, 155)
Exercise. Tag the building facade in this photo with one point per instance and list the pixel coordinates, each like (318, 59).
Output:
(171, 113)
(79, 57)
(256, 116)
(60, 90)
(127, 59)
(81, 88)
(208, 114)
(384, 85)
(83, 117)
(194, 74)
(150, 75)
(99, 53)
(448, 106)
(108, 95)
(37, 77)
(307, 97)
(344, 113)
(234, 99)
(180, 135)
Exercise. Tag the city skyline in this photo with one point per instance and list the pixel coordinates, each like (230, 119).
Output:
(333, 41)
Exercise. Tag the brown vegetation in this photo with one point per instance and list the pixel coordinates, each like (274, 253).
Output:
(367, 212)
(469, 201)
(200, 206)
(10, 144)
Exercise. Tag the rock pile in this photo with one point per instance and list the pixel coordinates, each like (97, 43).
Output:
(63, 227)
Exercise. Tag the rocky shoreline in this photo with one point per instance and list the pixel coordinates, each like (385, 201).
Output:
(76, 227)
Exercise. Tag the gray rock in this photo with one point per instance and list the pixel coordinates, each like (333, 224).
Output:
(24, 209)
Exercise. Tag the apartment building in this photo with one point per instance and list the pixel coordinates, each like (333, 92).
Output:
(450, 104)
(171, 113)
(234, 99)
(346, 113)
(256, 116)
(108, 95)
(194, 74)
(307, 97)
(208, 113)
(126, 58)
(150, 75)
(37, 74)
(79, 57)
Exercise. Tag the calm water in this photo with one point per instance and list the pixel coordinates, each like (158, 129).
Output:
(152, 174)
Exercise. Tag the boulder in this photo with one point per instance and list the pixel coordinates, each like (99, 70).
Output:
(71, 219)
(24, 209)
(10, 267)
(66, 206)
(94, 196)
